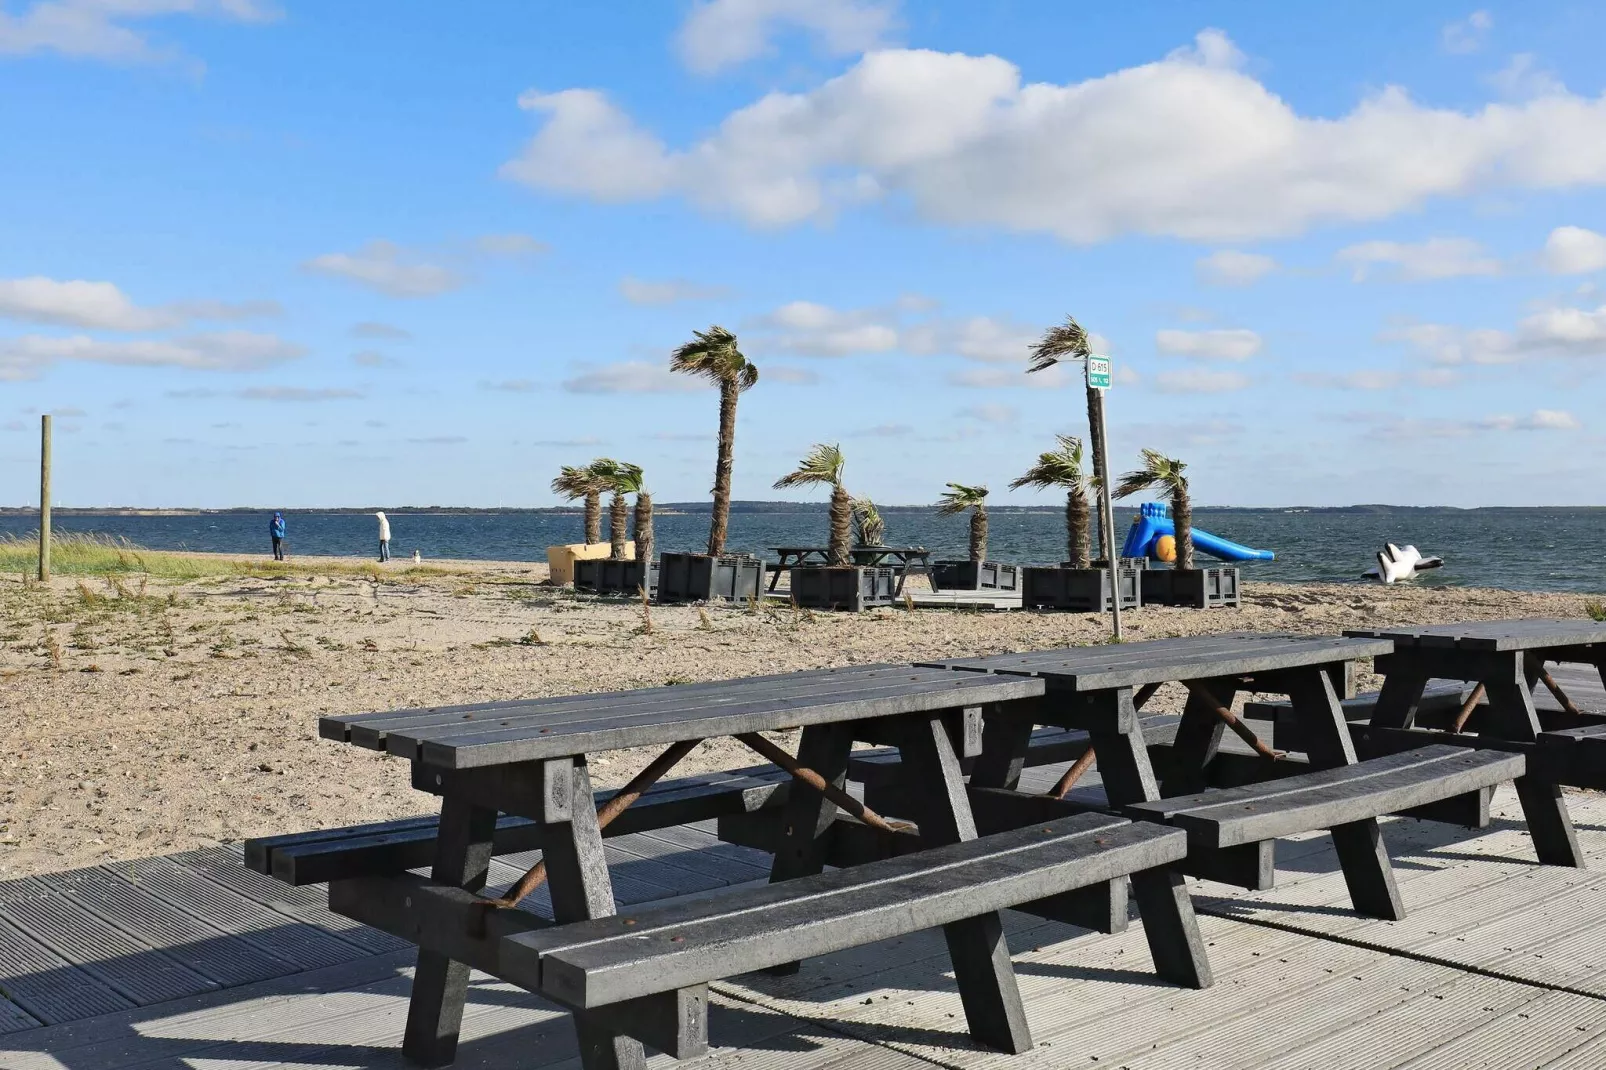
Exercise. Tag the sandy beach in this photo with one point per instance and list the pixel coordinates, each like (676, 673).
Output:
(146, 716)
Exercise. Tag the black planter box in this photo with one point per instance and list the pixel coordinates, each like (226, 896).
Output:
(1081, 590)
(604, 576)
(1199, 588)
(974, 576)
(700, 578)
(843, 588)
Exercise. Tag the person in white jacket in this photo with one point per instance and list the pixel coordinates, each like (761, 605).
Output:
(384, 536)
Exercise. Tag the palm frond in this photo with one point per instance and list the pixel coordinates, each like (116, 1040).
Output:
(625, 478)
(868, 527)
(1068, 341)
(1158, 471)
(958, 497)
(575, 482)
(1063, 467)
(822, 465)
(714, 355)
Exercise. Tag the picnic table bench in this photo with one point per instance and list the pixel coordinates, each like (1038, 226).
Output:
(1232, 833)
(906, 559)
(513, 775)
(1504, 660)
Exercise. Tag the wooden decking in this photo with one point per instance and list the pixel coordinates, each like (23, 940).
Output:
(194, 961)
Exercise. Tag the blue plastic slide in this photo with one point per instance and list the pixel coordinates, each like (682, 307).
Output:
(1154, 520)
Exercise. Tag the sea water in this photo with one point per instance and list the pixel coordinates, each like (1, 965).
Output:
(1549, 549)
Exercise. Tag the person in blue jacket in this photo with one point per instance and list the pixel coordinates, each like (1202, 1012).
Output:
(276, 529)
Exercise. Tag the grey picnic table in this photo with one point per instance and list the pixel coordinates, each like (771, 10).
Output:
(529, 758)
(1506, 659)
(905, 559)
(1099, 689)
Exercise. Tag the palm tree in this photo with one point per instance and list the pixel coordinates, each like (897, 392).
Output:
(713, 354)
(575, 482)
(1069, 341)
(1165, 473)
(615, 476)
(1064, 468)
(955, 500)
(824, 465)
(868, 527)
(630, 480)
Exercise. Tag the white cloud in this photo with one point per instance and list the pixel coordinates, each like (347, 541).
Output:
(387, 331)
(513, 386)
(979, 338)
(1407, 427)
(667, 291)
(774, 373)
(297, 393)
(27, 356)
(1468, 34)
(1199, 381)
(808, 329)
(1523, 79)
(1551, 332)
(1436, 258)
(991, 413)
(100, 29)
(102, 306)
(884, 431)
(388, 268)
(509, 245)
(1574, 251)
(1236, 343)
(369, 358)
(1190, 146)
(1377, 379)
(724, 33)
(1001, 377)
(1229, 267)
(631, 377)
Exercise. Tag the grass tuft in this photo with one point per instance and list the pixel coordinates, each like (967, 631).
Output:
(1596, 611)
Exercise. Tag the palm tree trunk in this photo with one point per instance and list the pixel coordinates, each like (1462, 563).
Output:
(1182, 517)
(1076, 534)
(978, 533)
(841, 527)
(618, 520)
(644, 533)
(593, 516)
(1095, 438)
(728, 393)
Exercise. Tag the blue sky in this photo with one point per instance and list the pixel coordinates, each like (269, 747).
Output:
(295, 254)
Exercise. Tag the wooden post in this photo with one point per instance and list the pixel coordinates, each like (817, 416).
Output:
(1101, 468)
(44, 497)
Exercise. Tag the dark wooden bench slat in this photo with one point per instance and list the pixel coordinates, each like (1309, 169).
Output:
(596, 963)
(393, 846)
(1440, 696)
(1332, 797)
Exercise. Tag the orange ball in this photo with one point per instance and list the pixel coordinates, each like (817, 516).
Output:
(1165, 548)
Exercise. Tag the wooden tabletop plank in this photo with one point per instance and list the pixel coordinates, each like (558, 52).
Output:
(656, 727)
(1492, 635)
(593, 717)
(1166, 660)
(370, 729)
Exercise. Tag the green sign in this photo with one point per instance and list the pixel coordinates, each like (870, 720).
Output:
(1098, 372)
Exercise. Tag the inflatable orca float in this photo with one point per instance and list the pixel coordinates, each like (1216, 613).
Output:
(1395, 563)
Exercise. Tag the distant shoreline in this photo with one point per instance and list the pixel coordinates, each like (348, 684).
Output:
(703, 508)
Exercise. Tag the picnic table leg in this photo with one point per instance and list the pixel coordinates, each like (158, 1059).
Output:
(775, 577)
(1197, 740)
(806, 818)
(440, 986)
(1361, 853)
(976, 946)
(577, 876)
(1005, 743)
(1169, 922)
(1512, 716)
(1398, 701)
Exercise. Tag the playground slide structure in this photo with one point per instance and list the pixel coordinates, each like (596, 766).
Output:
(1153, 524)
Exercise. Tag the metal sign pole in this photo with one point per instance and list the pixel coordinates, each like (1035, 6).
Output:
(1112, 557)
